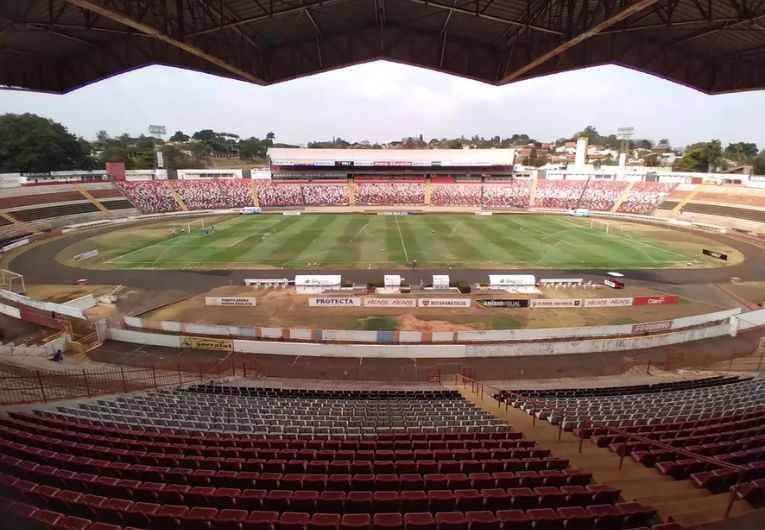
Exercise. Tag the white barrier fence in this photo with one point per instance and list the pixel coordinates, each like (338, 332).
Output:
(425, 351)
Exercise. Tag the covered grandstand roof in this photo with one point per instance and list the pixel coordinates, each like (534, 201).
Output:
(280, 156)
(59, 45)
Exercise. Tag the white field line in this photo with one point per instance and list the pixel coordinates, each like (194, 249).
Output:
(634, 241)
(361, 231)
(406, 254)
(118, 258)
(256, 232)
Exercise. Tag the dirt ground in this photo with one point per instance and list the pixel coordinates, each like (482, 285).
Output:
(751, 291)
(282, 308)
(64, 293)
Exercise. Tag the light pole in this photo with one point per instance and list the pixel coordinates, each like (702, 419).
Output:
(157, 131)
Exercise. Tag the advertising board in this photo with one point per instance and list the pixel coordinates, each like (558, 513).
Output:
(203, 343)
(390, 302)
(650, 327)
(335, 302)
(607, 302)
(713, 254)
(556, 302)
(656, 300)
(85, 255)
(232, 301)
(443, 302)
(504, 302)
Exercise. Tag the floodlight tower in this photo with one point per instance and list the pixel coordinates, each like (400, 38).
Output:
(624, 134)
(158, 131)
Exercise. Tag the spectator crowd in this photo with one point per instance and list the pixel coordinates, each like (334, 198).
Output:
(645, 197)
(601, 195)
(214, 193)
(456, 194)
(270, 194)
(559, 193)
(149, 196)
(325, 194)
(153, 196)
(388, 193)
(515, 193)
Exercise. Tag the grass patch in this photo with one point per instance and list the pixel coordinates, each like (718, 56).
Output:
(505, 322)
(377, 242)
(375, 323)
(622, 320)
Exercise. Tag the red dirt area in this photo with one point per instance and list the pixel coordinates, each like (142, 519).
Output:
(412, 323)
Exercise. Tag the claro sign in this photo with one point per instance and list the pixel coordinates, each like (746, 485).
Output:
(656, 300)
(334, 302)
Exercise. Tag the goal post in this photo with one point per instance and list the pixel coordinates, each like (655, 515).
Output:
(196, 224)
(610, 227)
(603, 226)
(12, 281)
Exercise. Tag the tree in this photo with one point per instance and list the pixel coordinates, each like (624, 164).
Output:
(652, 160)
(270, 136)
(102, 136)
(741, 152)
(179, 136)
(30, 143)
(204, 135)
(252, 148)
(702, 156)
(759, 163)
(664, 144)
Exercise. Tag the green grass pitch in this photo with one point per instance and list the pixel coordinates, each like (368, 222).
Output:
(376, 241)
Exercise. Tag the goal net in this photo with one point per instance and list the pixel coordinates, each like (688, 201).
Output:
(196, 224)
(603, 226)
(12, 281)
(609, 227)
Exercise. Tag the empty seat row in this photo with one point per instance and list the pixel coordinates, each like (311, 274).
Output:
(303, 441)
(313, 501)
(340, 482)
(630, 515)
(623, 389)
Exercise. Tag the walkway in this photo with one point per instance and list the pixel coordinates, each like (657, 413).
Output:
(678, 499)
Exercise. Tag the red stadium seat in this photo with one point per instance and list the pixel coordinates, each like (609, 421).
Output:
(388, 521)
(356, 521)
(451, 521)
(359, 502)
(513, 520)
(482, 520)
(229, 519)
(324, 521)
(413, 501)
(545, 519)
(331, 502)
(419, 521)
(577, 518)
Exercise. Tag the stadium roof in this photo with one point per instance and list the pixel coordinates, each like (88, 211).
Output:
(59, 45)
(281, 156)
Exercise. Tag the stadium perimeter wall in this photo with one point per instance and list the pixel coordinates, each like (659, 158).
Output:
(425, 351)
(687, 329)
(418, 337)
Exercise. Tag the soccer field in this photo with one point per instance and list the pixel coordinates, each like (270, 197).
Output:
(376, 241)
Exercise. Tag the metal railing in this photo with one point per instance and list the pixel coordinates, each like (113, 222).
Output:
(479, 389)
(22, 385)
(720, 363)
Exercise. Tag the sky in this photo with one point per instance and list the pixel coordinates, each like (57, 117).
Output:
(383, 101)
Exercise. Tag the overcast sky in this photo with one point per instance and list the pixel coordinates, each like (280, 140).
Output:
(384, 101)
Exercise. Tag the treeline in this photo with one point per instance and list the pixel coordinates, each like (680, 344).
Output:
(31, 143)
